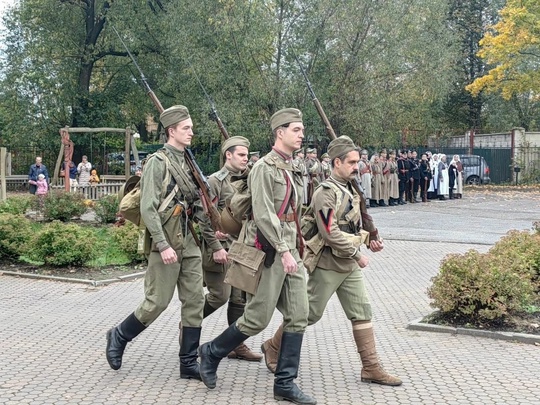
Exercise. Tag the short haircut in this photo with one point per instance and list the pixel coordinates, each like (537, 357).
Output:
(280, 127)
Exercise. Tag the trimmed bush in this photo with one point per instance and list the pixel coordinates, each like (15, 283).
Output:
(477, 287)
(59, 244)
(18, 204)
(106, 209)
(127, 237)
(15, 231)
(63, 206)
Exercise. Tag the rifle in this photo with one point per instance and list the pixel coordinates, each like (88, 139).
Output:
(367, 220)
(200, 180)
(213, 114)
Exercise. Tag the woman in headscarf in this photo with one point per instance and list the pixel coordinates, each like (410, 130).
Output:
(434, 166)
(455, 178)
(442, 189)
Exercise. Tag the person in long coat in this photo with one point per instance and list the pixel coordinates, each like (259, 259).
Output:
(376, 182)
(393, 180)
(442, 186)
(455, 177)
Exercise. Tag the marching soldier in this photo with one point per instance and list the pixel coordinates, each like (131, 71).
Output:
(215, 245)
(313, 167)
(325, 164)
(275, 187)
(335, 262)
(253, 158)
(174, 259)
(300, 164)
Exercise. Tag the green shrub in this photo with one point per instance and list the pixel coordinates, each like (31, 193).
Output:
(126, 237)
(63, 206)
(106, 208)
(15, 231)
(18, 204)
(59, 244)
(477, 287)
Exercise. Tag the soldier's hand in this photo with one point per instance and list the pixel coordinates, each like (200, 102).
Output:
(221, 256)
(289, 263)
(363, 261)
(169, 256)
(221, 236)
(376, 245)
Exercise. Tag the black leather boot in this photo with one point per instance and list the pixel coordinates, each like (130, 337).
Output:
(189, 368)
(212, 352)
(208, 309)
(287, 370)
(118, 337)
(242, 352)
(382, 203)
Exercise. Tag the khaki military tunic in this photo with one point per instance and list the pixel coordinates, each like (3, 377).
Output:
(364, 170)
(214, 273)
(161, 279)
(393, 180)
(267, 182)
(337, 270)
(377, 182)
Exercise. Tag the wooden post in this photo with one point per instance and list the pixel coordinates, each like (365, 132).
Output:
(127, 160)
(8, 164)
(3, 190)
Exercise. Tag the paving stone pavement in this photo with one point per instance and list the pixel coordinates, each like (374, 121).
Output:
(52, 334)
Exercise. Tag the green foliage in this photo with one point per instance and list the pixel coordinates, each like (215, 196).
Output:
(126, 238)
(62, 206)
(106, 208)
(59, 244)
(15, 231)
(17, 204)
(478, 287)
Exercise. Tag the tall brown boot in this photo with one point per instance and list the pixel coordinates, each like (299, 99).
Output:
(270, 348)
(372, 372)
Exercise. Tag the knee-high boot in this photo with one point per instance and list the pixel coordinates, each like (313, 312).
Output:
(212, 352)
(189, 368)
(119, 336)
(287, 370)
(270, 348)
(241, 352)
(207, 311)
(372, 372)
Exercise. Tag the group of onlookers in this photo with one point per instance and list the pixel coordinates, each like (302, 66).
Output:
(391, 178)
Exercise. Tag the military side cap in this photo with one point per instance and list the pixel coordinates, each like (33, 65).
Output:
(311, 150)
(340, 146)
(364, 152)
(257, 153)
(173, 115)
(325, 155)
(234, 141)
(285, 116)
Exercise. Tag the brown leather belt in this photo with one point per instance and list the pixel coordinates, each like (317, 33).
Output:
(287, 217)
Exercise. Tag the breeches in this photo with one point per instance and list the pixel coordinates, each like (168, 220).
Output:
(161, 280)
(350, 289)
(286, 292)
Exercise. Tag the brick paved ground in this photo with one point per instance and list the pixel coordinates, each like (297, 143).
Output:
(52, 335)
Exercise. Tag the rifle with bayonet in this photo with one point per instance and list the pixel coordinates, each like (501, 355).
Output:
(367, 220)
(213, 114)
(200, 180)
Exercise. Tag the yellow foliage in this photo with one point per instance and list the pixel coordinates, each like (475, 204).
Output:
(513, 47)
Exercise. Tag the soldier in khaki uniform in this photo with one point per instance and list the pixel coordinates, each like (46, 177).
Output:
(215, 245)
(300, 164)
(337, 261)
(273, 181)
(326, 168)
(174, 259)
(313, 167)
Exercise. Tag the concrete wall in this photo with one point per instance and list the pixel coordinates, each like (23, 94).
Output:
(499, 140)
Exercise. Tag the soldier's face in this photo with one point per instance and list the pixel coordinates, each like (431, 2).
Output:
(348, 167)
(292, 136)
(180, 135)
(239, 158)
